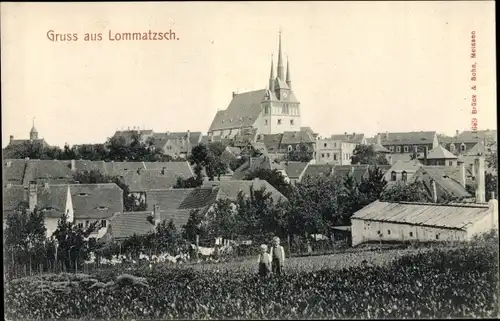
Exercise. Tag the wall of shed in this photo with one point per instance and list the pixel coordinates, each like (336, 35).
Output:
(482, 226)
(367, 231)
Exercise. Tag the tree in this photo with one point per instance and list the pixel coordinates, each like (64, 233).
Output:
(491, 185)
(130, 202)
(166, 237)
(401, 192)
(72, 242)
(25, 238)
(191, 182)
(301, 154)
(196, 225)
(222, 219)
(366, 155)
(209, 158)
(372, 186)
(273, 177)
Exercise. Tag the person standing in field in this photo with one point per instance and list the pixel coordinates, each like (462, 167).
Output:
(264, 261)
(277, 256)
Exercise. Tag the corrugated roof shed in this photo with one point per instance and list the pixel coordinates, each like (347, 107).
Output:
(431, 215)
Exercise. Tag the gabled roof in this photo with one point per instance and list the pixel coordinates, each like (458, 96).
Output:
(166, 198)
(271, 141)
(479, 148)
(260, 146)
(13, 171)
(476, 136)
(50, 171)
(314, 170)
(297, 137)
(349, 138)
(13, 196)
(406, 165)
(124, 225)
(17, 142)
(294, 169)
(251, 165)
(409, 138)
(96, 201)
(199, 198)
(230, 189)
(432, 215)
(180, 168)
(439, 153)
(358, 171)
(122, 168)
(145, 180)
(242, 111)
(447, 184)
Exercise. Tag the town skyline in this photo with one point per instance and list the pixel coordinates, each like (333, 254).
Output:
(406, 73)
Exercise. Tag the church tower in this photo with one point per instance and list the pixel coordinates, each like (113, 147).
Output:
(280, 107)
(33, 132)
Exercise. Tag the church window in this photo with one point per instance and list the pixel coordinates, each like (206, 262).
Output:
(291, 121)
(279, 121)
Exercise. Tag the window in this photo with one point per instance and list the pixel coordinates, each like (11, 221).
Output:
(80, 225)
(323, 155)
(285, 109)
(103, 223)
(279, 121)
(266, 109)
(291, 121)
(450, 163)
(406, 148)
(265, 122)
(391, 148)
(290, 148)
(393, 176)
(388, 232)
(398, 149)
(86, 223)
(437, 236)
(463, 148)
(404, 176)
(328, 155)
(411, 234)
(324, 145)
(378, 232)
(335, 145)
(334, 156)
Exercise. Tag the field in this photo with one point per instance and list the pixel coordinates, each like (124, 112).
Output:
(456, 282)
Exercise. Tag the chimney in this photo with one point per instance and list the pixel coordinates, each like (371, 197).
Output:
(32, 196)
(456, 133)
(379, 139)
(462, 174)
(386, 135)
(234, 93)
(480, 180)
(73, 165)
(188, 142)
(434, 191)
(156, 214)
(11, 138)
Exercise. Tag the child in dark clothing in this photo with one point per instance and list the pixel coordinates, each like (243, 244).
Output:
(264, 261)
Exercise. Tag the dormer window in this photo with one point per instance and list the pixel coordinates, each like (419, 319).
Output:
(83, 194)
(393, 176)
(404, 176)
(463, 148)
(102, 208)
(452, 147)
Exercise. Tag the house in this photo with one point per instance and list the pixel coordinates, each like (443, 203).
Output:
(83, 203)
(291, 141)
(462, 142)
(354, 138)
(273, 110)
(422, 222)
(402, 170)
(13, 171)
(402, 145)
(336, 152)
(358, 172)
(33, 140)
(176, 144)
(294, 170)
(271, 142)
(129, 134)
(439, 156)
(440, 186)
(231, 189)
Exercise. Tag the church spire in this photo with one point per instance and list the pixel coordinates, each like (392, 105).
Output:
(288, 75)
(271, 75)
(281, 72)
(33, 132)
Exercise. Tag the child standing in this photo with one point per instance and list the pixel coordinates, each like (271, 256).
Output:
(277, 256)
(264, 261)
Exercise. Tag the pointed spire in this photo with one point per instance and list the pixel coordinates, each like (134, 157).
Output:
(288, 75)
(271, 75)
(33, 129)
(281, 72)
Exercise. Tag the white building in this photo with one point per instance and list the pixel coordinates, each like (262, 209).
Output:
(384, 221)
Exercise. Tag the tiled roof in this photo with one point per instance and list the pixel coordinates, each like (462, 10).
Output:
(446, 183)
(13, 171)
(124, 225)
(251, 165)
(260, 146)
(294, 169)
(16, 142)
(166, 199)
(476, 136)
(358, 171)
(241, 112)
(199, 198)
(314, 170)
(87, 165)
(96, 201)
(180, 168)
(432, 215)
(230, 189)
(297, 137)
(439, 153)
(12, 197)
(349, 138)
(410, 138)
(50, 171)
(272, 142)
(129, 134)
(405, 165)
(121, 168)
(479, 148)
(145, 180)
(179, 217)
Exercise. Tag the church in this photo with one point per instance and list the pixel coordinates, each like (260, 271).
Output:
(273, 110)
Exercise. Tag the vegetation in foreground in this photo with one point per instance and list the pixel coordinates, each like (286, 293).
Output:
(437, 283)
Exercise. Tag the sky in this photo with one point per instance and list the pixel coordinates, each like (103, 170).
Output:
(363, 67)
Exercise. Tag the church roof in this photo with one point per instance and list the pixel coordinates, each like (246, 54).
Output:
(241, 112)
